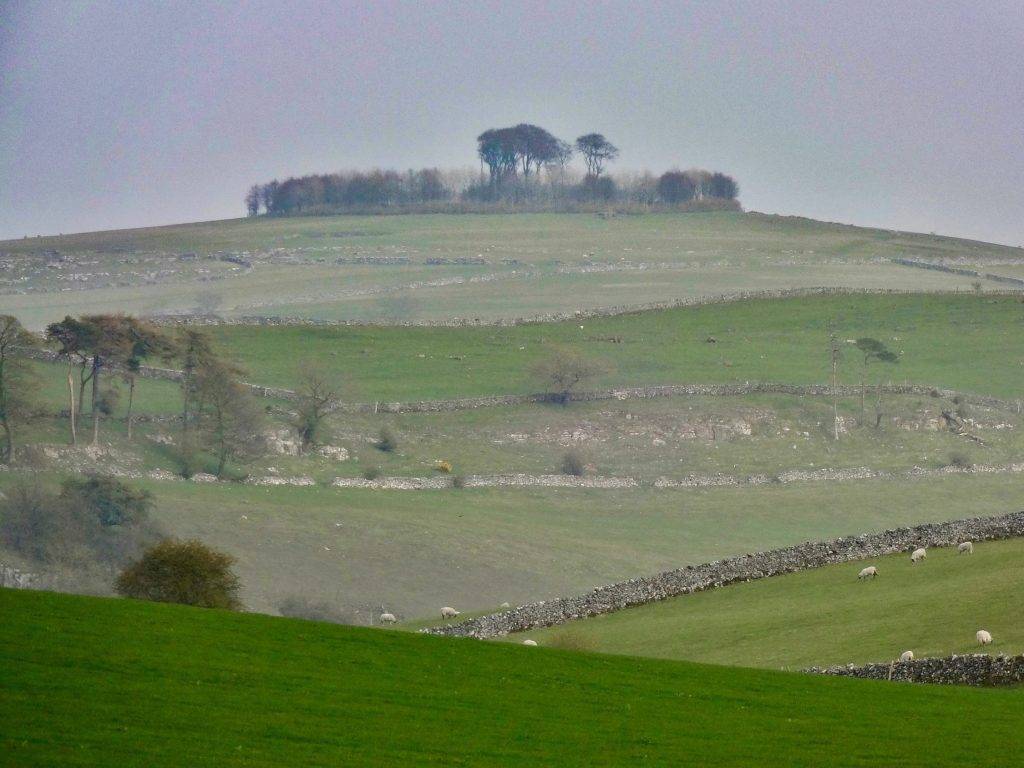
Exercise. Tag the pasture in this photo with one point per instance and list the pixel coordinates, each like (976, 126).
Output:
(436, 267)
(261, 691)
(826, 615)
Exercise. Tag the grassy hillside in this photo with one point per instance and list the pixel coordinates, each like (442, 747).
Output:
(442, 266)
(965, 342)
(827, 616)
(476, 548)
(192, 687)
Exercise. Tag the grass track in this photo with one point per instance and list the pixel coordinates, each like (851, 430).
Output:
(91, 682)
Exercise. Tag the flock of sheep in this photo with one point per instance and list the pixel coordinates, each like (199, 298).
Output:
(983, 636)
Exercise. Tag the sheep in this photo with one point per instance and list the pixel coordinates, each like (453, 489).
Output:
(448, 613)
(529, 642)
(388, 618)
(868, 573)
(917, 555)
(965, 548)
(984, 637)
(907, 656)
(505, 605)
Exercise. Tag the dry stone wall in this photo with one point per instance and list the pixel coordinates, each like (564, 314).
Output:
(758, 565)
(970, 669)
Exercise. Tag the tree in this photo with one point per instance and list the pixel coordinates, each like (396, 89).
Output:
(534, 147)
(144, 341)
(496, 148)
(596, 151)
(195, 350)
(563, 370)
(186, 572)
(676, 187)
(230, 424)
(253, 198)
(722, 186)
(74, 339)
(317, 398)
(873, 350)
(15, 382)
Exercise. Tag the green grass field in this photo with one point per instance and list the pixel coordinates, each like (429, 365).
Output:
(414, 552)
(532, 263)
(970, 343)
(826, 616)
(92, 682)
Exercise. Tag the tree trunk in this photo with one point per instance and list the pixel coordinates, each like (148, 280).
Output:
(8, 452)
(71, 403)
(95, 396)
(131, 397)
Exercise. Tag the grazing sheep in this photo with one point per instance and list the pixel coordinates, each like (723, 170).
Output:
(529, 642)
(388, 618)
(984, 637)
(868, 573)
(965, 548)
(505, 605)
(907, 656)
(918, 554)
(448, 613)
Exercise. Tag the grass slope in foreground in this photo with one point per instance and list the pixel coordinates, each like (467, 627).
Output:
(826, 616)
(107, 682)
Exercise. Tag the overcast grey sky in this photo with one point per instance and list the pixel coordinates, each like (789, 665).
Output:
(898, 114)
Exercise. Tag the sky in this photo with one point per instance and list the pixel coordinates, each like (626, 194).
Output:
(904, 115)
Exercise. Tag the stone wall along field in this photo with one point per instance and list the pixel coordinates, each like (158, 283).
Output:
(759, 565)
(971, 669)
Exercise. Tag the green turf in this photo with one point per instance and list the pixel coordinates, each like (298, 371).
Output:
(473, 549)
(965, 342)
(826, 615)
(534, 263)
(91, 682)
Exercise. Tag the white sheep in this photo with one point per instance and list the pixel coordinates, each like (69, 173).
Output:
(907, 656)
(965, 548)
(505, 605)
(529, 642)
(918, 554)
(448, 613)
(984, 637)
(868, 573)
(388, 618)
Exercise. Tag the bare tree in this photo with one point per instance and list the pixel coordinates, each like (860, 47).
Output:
(563, 370)
(317, 397)
(15, 382)
(874, 351)
(230, 424)
(596, 151)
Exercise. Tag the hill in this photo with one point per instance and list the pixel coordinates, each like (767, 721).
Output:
(108, 682)
(825, 615)
(435, 267)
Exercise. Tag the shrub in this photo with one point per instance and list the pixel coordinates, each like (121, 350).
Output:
(387, 441)
(372, 473)
(960, 459)
(186, 572)
(458, 481)
(574, 464)
(111, 501)
(444, 466)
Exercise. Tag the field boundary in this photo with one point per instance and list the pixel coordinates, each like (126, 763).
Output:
(556, 317)
(758, 565)
(612, 393)
(969, 669)
(960, 271)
